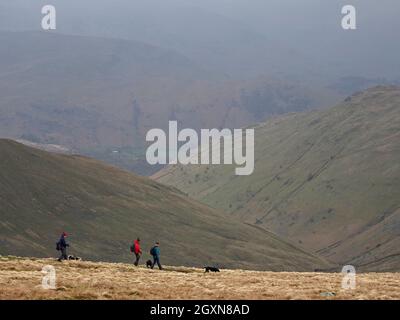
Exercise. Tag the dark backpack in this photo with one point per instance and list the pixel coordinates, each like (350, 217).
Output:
(58, 246)
(152, 251)
(132, 247)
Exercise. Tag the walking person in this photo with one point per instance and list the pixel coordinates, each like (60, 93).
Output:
(155, 252)
(62, 246)
(137, 251)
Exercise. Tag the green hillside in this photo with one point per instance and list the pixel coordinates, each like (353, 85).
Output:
(104, 209)
(328, 180)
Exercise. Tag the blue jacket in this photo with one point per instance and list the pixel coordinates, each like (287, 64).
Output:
(156, 251)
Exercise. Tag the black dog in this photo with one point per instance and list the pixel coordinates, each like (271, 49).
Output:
(149, 264)
(212, 269)
(70, 257)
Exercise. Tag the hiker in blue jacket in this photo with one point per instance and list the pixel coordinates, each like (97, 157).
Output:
(62, 246)
(155, 252)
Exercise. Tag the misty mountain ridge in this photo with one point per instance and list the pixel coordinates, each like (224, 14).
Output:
(97, 95)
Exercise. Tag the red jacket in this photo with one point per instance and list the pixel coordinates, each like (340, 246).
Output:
(137, 247)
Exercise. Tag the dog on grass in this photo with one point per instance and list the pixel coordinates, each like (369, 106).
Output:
(70, 257)
(212, 269)
(149, 264)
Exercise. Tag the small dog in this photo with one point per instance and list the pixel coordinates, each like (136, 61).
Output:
(70, 257)
(149, 264)
(212, 269)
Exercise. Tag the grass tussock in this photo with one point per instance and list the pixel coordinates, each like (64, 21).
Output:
(21, 279)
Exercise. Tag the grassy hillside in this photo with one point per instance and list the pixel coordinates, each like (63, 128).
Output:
(104, 209)
(328, 180)
(21, 278)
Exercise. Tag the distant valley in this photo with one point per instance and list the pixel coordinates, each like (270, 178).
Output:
(98, 95)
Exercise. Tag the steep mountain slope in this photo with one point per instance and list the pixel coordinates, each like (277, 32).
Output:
(328, 180)
(104, 209)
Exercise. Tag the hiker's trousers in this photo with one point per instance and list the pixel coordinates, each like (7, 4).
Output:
(136, 263)
(63, 254)
(156, 260)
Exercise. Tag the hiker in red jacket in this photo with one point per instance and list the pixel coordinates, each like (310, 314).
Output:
(137, 251)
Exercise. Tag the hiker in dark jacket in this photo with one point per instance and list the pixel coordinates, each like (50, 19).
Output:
(62, 246)
(137, 251)
(155, 252)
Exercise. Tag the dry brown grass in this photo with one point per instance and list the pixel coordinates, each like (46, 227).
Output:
(21, 279)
